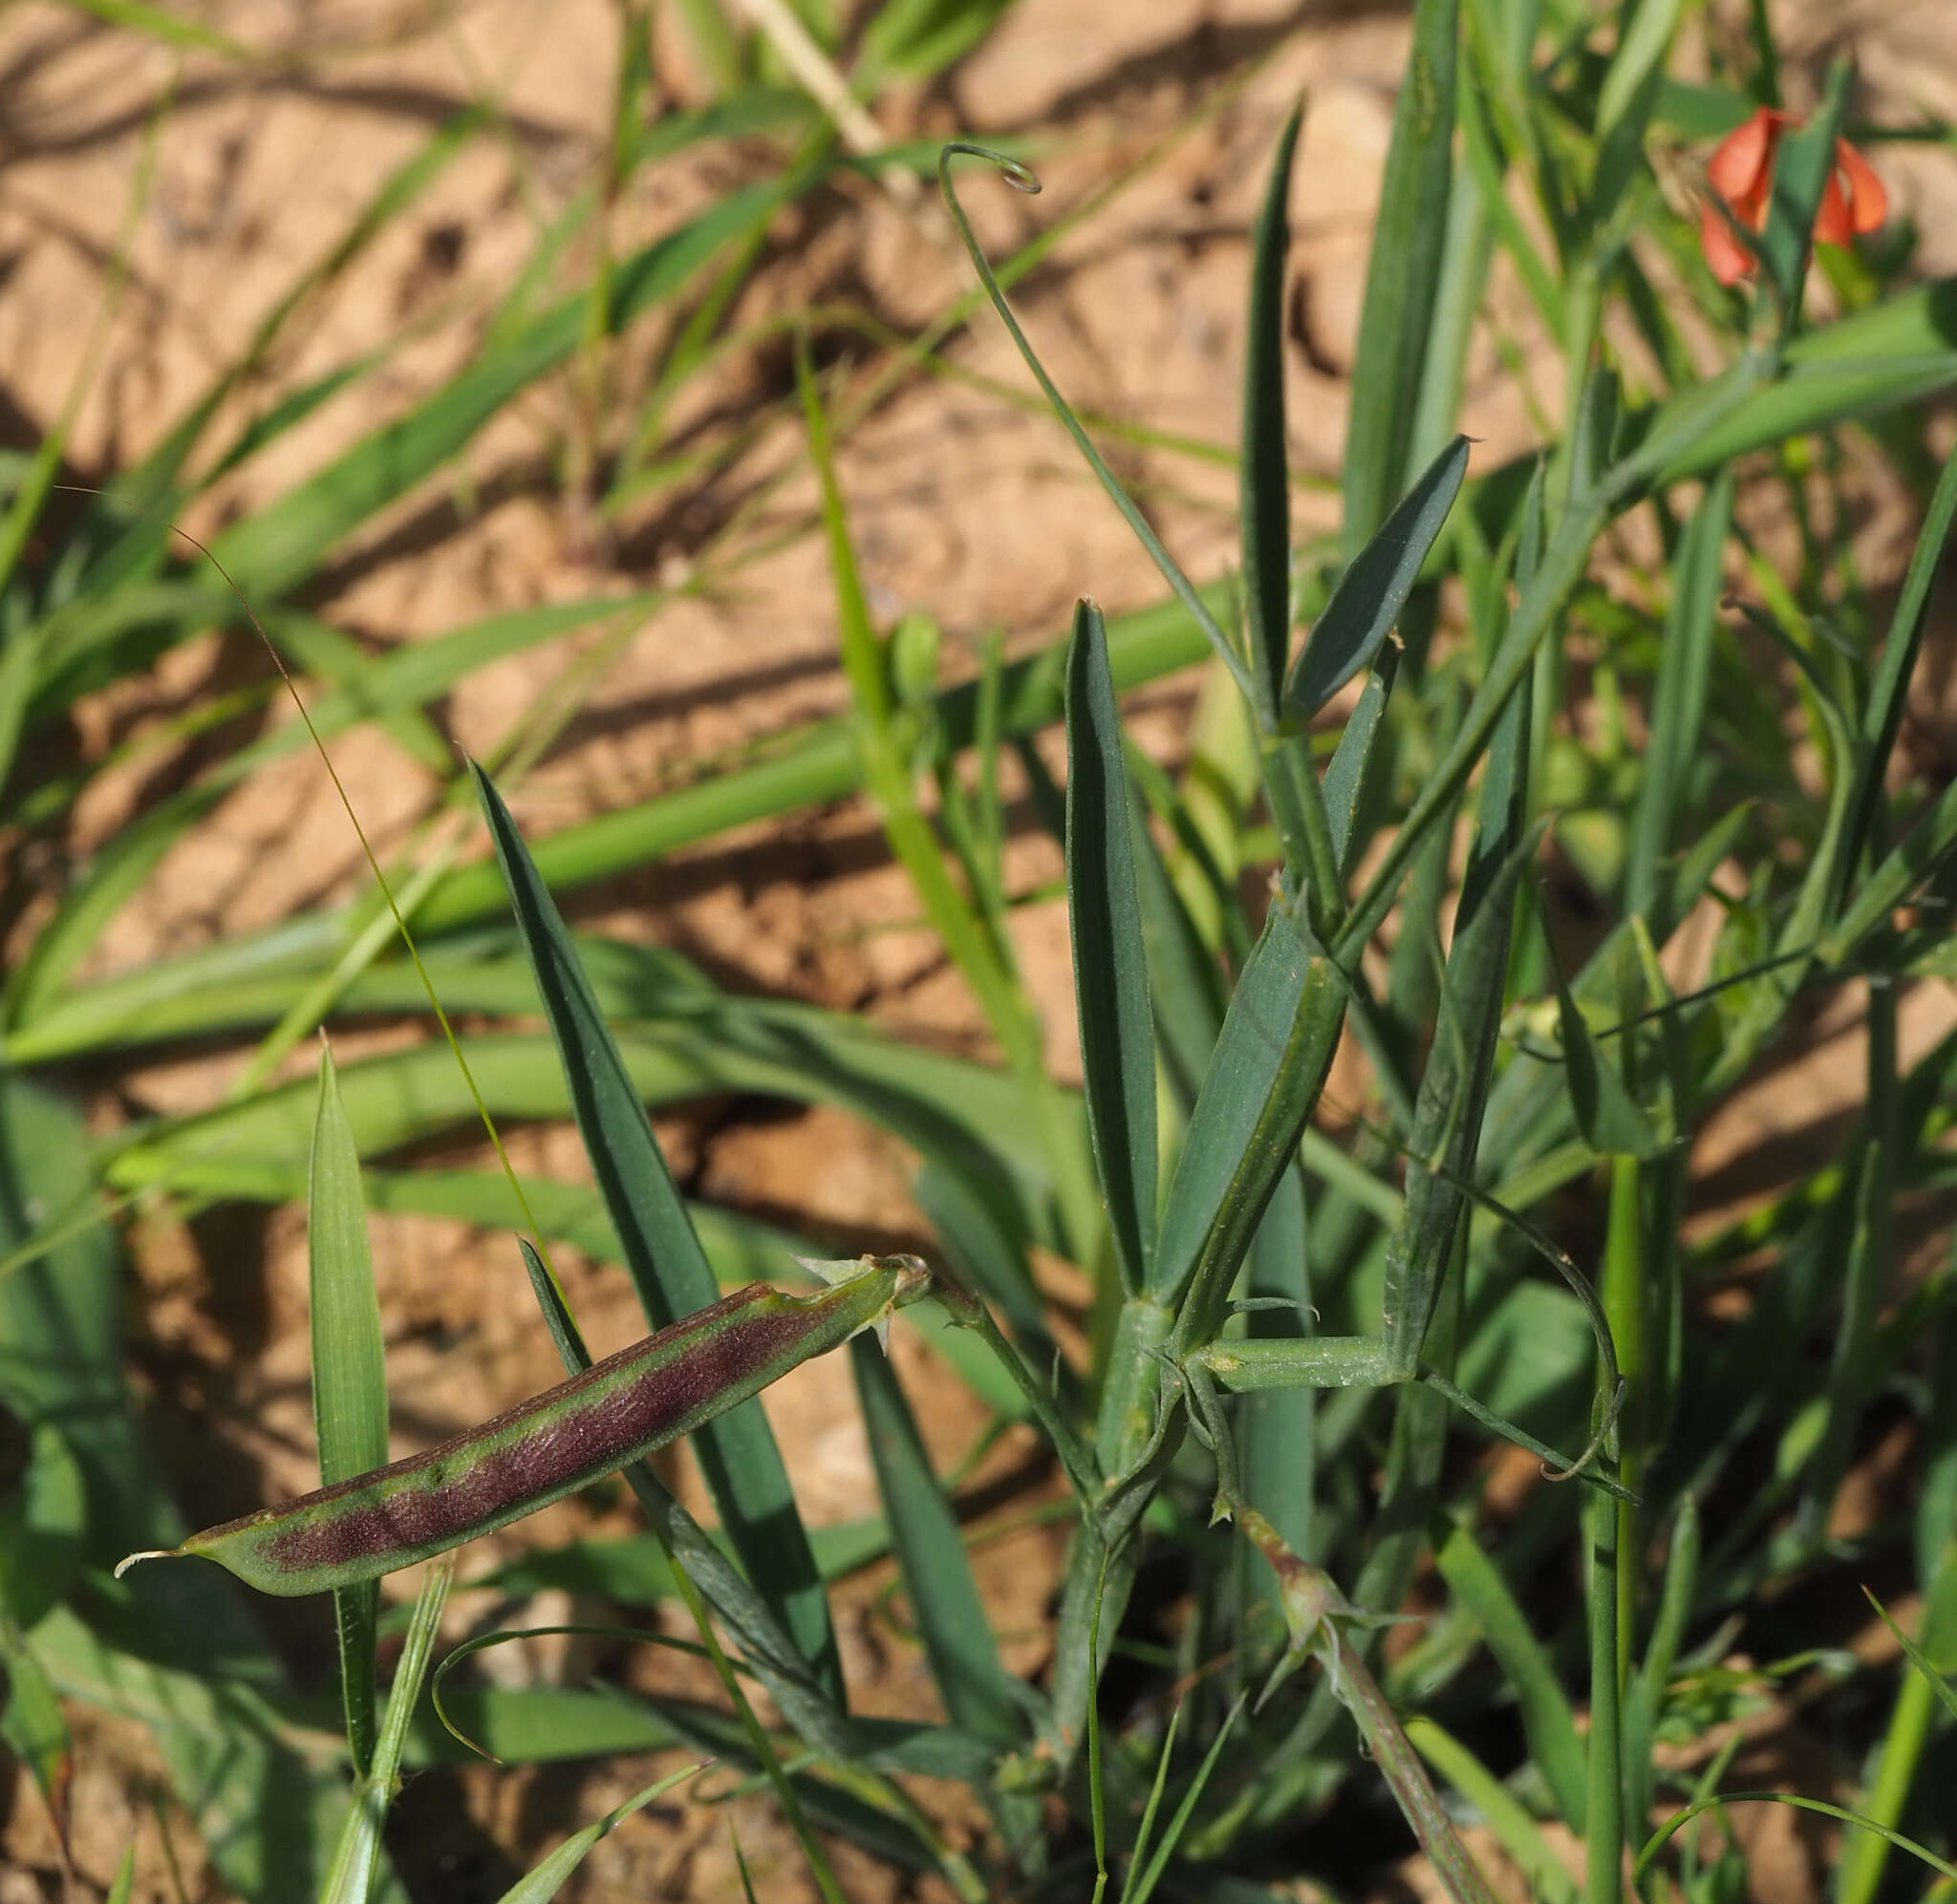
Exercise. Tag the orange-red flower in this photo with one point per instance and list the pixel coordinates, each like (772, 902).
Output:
(1741, 172)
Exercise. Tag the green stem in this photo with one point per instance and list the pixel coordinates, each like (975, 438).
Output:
(1624, 1308)
(1603, 1810)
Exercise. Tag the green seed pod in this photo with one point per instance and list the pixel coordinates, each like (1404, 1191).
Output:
(556, 1443)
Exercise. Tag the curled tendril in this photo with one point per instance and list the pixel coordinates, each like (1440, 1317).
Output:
(1600, 1442)
(1019, 174)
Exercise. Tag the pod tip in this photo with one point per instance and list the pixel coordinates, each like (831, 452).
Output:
(129, 1560)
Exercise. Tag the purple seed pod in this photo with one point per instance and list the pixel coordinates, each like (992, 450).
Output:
(616, 1411)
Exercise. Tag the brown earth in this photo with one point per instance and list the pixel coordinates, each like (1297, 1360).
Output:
(973, 511)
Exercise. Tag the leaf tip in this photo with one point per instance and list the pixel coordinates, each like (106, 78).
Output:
(129, 1560)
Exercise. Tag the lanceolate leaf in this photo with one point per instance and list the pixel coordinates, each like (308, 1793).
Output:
(1266, 474)
(1110, 962)
(669, 1270)
(1374, 588)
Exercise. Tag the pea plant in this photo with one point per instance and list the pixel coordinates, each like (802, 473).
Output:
(1315, 1341)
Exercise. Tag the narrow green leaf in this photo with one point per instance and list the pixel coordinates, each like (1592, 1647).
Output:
(545, 1878)
(1191, 597)
(1802, 167)
(669, 1270)
(977, 1692)
(1266, 485)
(1612, 1121)
(1649, 1686)
(1547, 1721)
(1898, 352)
(1142, 1887)
(917, 39)
(1244, 1068)
(955, 1112)
(1679, 697)
(349, 1381)
(163, 23)
(817, 763)
(354, 1874)
(32, 1725)
(863, 657)
(1514, 1826)
(1936, 1678)
(1110, 957)
(1888, 695)
(1374, 588)
(42, 1528)
(265, 1810)
(1445, 1136)
(1185, 974)
(1401, 278)
(1627, 97)
(1350, 774)
(123, 1888)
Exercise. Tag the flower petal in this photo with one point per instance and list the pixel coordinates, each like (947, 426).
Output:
(1868, 197)
(1730, 258)
(1744, 161)
(1833, 225)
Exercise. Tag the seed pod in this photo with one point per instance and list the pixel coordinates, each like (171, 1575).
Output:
(556, 1443)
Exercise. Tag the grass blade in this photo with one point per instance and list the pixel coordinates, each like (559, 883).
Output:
(1110, 955)
(351, 1877)
(1547, 1721)
(1266, 487)
(1678, 699)
(349, 1380)
(544, 1879)
(1351, 776)
(979, 1694)
(1142, 1889)
(1460, 1065)
(736, 1451)
(1888, 694)
(1511, 1821)
(272, 550)
(1401, 278)
(165, 25)
(266, 1810)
